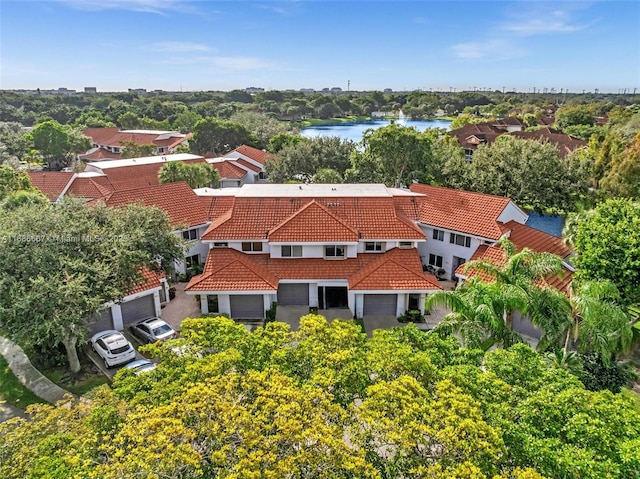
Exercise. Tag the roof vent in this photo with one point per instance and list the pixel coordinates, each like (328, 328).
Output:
(333, 204)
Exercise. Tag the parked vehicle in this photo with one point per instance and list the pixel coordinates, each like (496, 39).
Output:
(151, 330)
(113, 348)
(141, 366)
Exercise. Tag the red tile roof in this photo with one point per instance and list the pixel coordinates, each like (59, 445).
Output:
(99, 154)
(51, 183)
(565, 144)
(313, 222)
(254, 153)
(249, 165)
(373, 218)
(229, 170)
(179, 201)
(464, 211)
(216, 206)
(231, 270)
(150, 280)
(485, 133)
(115, 137)
(399, 269)
(90, 188)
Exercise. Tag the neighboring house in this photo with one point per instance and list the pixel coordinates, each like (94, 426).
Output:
(144, 301)
(345, 247)
(472, 135)
(185, 211)
(109, 142)
(252, 160)
(565, 144)
(138, 172)
(232, 175)
(53, 184)
(456, 223)
(523, 236)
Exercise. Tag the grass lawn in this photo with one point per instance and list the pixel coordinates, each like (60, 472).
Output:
(60, 376)
(12, 391)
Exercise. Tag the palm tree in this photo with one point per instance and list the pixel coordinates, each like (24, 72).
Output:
(172, 172)
(527, 271)
(477, 313)
(598, 323)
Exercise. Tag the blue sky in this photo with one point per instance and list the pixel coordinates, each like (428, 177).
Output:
(223, 45)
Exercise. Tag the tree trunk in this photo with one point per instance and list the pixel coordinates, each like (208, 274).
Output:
(72, 353)
(508, 319)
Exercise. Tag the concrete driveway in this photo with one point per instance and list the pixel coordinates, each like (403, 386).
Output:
(180, 307)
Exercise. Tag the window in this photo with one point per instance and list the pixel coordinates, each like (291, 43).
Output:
(291, 251)
(191, 261)
(262, 175)
(374, 246)
(254, 246)
(414, 302)
(334, 251)
(190, 234)
(405, 244)
(435, 260)
(162, 149)
(438, 235)
(221, 244)
(116, 149)
(460, 240)
(212, 303)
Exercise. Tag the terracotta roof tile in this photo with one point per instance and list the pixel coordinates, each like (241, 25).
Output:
(217, 206)
(249, 165)
(150, 280)
(50, 183)
(230, 270)
(523, 236)
(313, 222)
(89, 188)
(565, 144)
(374, 218)
(115, 137)
(228, 170)
(254, 153)
(464, 211)
(399, 269)
(179, 201)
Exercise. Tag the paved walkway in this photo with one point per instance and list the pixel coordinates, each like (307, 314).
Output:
(180, 307)
(28, 375)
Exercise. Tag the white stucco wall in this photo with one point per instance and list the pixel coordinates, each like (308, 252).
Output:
(446, 249)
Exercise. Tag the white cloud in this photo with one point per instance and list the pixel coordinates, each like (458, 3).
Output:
(159, 7)
(537, 26)
(178, 47)
(490, 50)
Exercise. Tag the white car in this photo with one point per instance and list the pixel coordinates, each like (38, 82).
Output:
(112, 347)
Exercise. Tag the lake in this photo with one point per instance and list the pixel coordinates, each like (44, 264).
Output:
(353, 131)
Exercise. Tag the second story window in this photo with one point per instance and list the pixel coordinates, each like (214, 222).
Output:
(190, 234)
(374, 247)
(405, 244)
(438, 235)
(334, 251)
(252, 246)
(291, 251)
(460, 240)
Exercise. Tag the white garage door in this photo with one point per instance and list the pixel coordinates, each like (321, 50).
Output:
(293, 294)
(137, 309)
(101, 322)
(380, 304)
(247, 306)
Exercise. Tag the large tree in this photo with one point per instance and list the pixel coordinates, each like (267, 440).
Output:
(394, 155)
(607, 243)
(219, 137)
(58, 144)
(197, 175)
(12, 180)
(529, 172)
(59, 264)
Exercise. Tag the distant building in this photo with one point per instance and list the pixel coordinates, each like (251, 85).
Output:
(90, 89)
(388, 90)
(307, 90)
(336, 89)
(138, 90)
(253, 89)
(64, 91)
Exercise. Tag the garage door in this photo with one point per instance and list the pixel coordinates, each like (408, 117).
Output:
(247, 306)
(101, 321)
(137, 309)
(293, 294)
(380, 304)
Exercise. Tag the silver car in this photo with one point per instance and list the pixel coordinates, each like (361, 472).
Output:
(141, 366)
(113, 348)
(151, 330)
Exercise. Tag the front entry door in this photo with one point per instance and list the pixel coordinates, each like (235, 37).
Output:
(456, 263)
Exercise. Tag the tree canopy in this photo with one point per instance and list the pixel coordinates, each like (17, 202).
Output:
(219, 137)
(197, 175)
(327, 401)
(59, 264)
